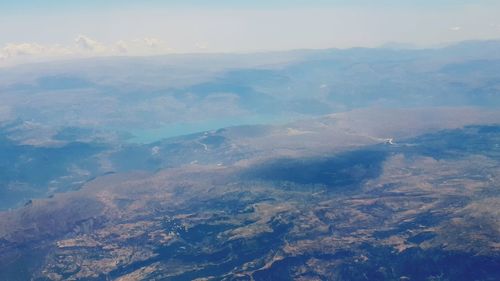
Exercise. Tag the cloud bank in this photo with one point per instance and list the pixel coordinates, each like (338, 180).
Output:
(83, 46)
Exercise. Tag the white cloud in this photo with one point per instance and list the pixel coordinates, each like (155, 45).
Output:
(89, 44)
(83, 46)
(148, 45)
(121, 46)
(22, 49)
(152, 42)
(202, 45)
(456, 28)
(19, 50)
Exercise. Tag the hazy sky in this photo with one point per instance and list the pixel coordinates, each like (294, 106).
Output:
(36, 29)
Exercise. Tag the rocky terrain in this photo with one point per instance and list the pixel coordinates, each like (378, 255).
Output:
(354, 196)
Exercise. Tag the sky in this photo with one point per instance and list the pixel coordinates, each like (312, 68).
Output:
(33, 30)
